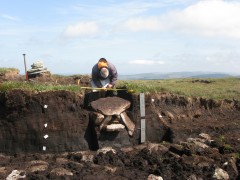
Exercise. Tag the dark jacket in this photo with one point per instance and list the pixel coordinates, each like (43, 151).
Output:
(96, 76)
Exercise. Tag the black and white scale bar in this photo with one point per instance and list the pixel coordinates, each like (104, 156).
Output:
(142, 113)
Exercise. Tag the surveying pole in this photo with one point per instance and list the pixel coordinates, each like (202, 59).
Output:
(26, 74)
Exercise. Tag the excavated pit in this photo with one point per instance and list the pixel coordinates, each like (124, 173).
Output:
(26, 118)
(170, 118)
(173, 123)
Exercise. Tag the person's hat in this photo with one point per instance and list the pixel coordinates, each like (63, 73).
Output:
(102, 63)
(104, 72)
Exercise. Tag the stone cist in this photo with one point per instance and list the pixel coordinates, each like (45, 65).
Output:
(104, 74)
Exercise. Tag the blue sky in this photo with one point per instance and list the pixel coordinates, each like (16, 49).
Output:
(140, 36)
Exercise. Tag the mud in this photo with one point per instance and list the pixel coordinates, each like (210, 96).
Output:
(186, 138)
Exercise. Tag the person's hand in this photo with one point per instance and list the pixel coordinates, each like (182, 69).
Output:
(104, 88)
(109, 86)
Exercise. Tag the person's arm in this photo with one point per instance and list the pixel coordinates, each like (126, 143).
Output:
(95, 77)
(114, 75)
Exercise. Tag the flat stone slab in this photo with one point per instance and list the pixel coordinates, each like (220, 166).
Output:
(110, 105)
(128, 123)
(115, 127)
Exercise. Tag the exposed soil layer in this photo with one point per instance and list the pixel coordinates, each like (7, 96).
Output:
(186, 138)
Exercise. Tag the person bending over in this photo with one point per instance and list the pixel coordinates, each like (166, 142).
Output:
(104, 74)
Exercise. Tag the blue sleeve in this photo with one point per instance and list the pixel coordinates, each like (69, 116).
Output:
(114, 74)
(95, 76)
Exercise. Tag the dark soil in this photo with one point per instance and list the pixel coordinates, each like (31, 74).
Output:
(186, 138)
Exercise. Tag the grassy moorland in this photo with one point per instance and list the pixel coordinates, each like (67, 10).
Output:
(210, 88)
(33, 86)
(218, 89)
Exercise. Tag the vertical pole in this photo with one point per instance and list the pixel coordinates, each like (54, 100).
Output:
(25, 67)
(142, 114)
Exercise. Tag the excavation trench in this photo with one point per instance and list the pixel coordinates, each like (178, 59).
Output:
(60, 121)
(53, 135)
(57, 121)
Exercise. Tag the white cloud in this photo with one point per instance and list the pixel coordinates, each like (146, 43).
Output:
(81, 29)
(139, 24)
(12, 18)
(146, 62)
(208, 18)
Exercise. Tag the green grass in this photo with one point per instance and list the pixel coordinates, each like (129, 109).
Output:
(218, 89)
(33, 86)
(4, 70)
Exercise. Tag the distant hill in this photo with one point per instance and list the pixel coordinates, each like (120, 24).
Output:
(173, 75)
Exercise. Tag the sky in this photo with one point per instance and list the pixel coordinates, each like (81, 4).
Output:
(137, 36)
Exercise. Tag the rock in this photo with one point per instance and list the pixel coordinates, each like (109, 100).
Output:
(232, 164)
(37, 69)
(220, 174)
(193, 140)
(171, 154)
(205, 136)
(60, 172)
(37, 166)
(201, 145)
(115, 127)
(104, 123)
(194, 177)
(127, 149)
(62, 161)
(159, 148)
(105, 150)
(97, 118)
(176, 149)
(152, 147)
(37, 162)
(128, 123)
(170, 115)
(198, 143)
(109, 169)
(15, 175)
(87, 156)
(140, 147)
(38, 64)
(110, 105)
(154, 177)
(207, 139)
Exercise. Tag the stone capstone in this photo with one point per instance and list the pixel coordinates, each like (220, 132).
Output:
(109, 115)
(110, 105)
